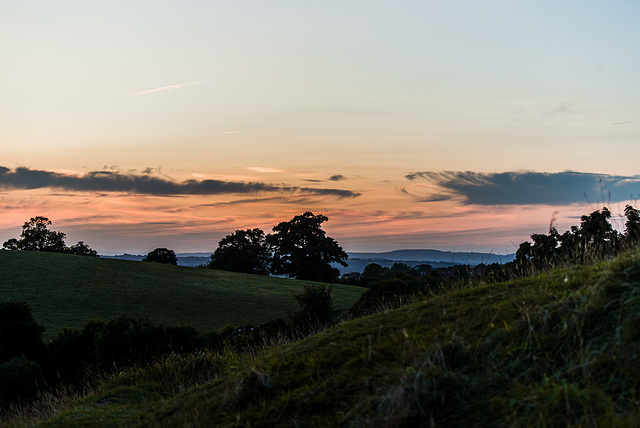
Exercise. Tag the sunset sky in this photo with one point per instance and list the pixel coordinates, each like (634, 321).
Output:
(455, 125)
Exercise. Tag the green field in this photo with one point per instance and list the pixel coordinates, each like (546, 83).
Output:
(558, 349)
(66, 291)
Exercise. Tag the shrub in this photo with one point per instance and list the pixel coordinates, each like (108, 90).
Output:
(125, 340)
(316, 308)
(387, 294)
(215, 340)
(181, 338)
(82, 249)
(20, 380)
(72, 351)
(20, 334)
(162, 255)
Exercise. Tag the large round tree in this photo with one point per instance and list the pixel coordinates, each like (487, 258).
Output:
(162, 255)
(243, 251)
(302, 250)
(36, 236)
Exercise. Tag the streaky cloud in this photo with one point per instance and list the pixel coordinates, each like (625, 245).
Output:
(164, 88)
(530, 188)
(436, 197)
(264, 169)
(144, 184)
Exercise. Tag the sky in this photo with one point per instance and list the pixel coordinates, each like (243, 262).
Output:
(459, 125)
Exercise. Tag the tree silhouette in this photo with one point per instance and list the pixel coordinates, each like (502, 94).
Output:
(162, 255)
(595, 228)
(632, 224)
(243, 251)
(36, 236)
(82, 249)
(302, 250)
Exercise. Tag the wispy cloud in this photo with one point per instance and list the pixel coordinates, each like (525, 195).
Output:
(529, 188)
(567, 107)
(264, 169)
(110, 181)
(164, 88)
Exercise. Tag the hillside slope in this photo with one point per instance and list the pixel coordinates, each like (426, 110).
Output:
(66, 291)
(559, 349)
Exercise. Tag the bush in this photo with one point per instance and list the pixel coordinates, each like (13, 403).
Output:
(20, 380)
(72, 351)
(162, 255)
(20, 334)
(125, 340)
(215, 340)
(82, 249)
(387, 294)
(181, 338)
(316, 308)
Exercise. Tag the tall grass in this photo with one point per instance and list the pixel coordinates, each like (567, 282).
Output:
(46, 405)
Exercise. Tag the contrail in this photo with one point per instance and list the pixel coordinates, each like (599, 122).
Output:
(164, 88)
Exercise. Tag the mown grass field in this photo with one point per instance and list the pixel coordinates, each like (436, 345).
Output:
(558, 349)
(66, 291)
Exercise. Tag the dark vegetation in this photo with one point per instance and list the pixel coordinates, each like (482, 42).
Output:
(549, 339)
(302, 250)
(244, 251)
(36, 236)
(29, 367)
(593, 240)
(162, 255)
(298, 248)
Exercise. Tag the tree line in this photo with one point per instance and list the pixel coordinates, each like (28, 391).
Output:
(594, 239)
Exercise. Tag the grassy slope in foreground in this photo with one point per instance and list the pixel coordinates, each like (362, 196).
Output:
(558, 349)
(66, 291)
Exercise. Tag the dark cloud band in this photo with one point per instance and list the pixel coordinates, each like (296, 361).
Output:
(529, 188)
(109, 181)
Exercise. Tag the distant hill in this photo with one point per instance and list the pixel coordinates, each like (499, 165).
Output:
(66, 291)
(434, 258)
(470, 258)
(357, 261)
(184, 259)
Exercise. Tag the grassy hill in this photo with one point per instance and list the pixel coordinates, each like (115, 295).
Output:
(66, 291)
(558, 349)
